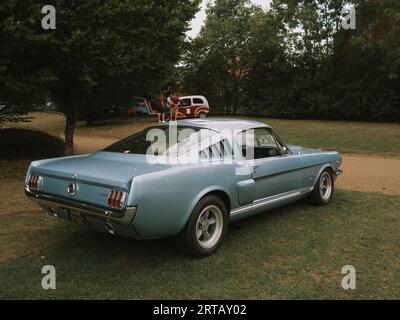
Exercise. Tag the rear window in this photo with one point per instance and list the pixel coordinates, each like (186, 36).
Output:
(162, 140)
(198, 101)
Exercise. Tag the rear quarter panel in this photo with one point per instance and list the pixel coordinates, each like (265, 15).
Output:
(166, 199)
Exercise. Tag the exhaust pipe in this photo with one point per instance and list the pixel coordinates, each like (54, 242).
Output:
(53, 212)
(110, 229)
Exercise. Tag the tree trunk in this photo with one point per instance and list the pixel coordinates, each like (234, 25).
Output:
(71, 117)
(228, 109)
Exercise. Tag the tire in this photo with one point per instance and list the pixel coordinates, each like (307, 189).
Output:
(324, 189)
(193, 239)
(203, 115)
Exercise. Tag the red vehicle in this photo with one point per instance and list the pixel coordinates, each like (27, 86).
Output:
(193, 107)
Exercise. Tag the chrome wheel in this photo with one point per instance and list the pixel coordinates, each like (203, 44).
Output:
(325, 186)
(209, 227)
(202, 115)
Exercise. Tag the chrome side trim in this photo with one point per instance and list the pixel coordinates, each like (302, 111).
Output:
(119, 217)
(241, 209)
(271, 200)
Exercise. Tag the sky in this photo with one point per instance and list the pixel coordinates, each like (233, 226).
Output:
(198, 21)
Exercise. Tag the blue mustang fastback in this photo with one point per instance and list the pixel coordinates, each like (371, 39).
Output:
(186, 179)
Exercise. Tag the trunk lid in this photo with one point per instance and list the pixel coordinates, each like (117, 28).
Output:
(95, 175)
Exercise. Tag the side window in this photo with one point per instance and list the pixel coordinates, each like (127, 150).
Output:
(258, 144)
(185, 102)
(198, 101)
(219, 150)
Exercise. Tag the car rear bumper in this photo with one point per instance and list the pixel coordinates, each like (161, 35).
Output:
(53, 204)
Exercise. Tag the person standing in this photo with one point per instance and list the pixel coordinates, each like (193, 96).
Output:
(173, 104)
(161, 108)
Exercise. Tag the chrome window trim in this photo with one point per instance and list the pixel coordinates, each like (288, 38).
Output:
(201, 145)
(278, 140)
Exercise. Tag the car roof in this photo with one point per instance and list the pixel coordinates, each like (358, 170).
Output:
(221, 124)
(193, 97)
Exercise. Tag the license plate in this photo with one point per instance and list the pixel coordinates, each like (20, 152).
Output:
(77, 217)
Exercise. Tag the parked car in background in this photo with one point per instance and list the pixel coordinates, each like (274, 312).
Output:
(141, 108)
(193, 107)
(119, 191)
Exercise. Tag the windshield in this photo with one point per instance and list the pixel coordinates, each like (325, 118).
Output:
(162, 141)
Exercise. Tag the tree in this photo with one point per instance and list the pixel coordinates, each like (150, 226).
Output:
(268, 67)
(101, 52)
(20, 83)
(307, 29)
(220, 55)
(367, 63)
(297, 61)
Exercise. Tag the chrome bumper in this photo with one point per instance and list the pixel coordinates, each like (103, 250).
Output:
(48, 202)
(338, 172)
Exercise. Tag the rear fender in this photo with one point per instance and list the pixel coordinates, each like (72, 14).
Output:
(201, 109)
(200, 196)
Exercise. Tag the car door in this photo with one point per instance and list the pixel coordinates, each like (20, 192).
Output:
(274, 169)
(185, 106)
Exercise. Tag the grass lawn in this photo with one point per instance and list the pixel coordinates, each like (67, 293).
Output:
(346, 137)
(290, 253)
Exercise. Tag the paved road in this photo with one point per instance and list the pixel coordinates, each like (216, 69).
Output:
(361, 173)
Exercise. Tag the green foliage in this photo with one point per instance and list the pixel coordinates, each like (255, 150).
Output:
(102, 52)
(29, 144)
(296, 60)
(368, 63)
(216, 61)
(20, 83)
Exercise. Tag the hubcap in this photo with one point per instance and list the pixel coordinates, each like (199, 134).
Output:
(325, 186)
(209, 227)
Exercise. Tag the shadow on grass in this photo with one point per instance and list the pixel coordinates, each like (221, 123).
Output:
(24, 144)
(85, 242)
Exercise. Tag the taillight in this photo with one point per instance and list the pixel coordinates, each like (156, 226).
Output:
(34, 183)
(116, 199)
